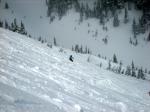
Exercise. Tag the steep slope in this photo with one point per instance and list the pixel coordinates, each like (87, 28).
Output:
(34, 77)
(68, 31)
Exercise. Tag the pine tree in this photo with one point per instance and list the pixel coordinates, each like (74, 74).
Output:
(39, 39)
(126, 16)
(148, 38)
(116, 21)
(72, 48)
(6, 25)
(115, 59)
(81, 49)
(136, 42)
(102, 19)
(55, 43)
(129, 5)
(14, 26)
(29, 36)
(89, 52)
(6, 6)
(77, 48)
(22, 29)
(133, 73)
(77, 5)
(87, 10)
(134, 26)
(81, 13)
(86, 50)
(109, 65)
(128, 71)
(88, 59)
(120, 68)
(1, 23)
(141, 74)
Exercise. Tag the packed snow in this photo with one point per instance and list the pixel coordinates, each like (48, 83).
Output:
(36, 78)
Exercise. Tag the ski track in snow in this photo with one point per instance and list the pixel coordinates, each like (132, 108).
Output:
(34, 77)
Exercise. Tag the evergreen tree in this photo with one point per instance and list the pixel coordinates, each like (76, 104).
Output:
(126, 16)
(129, 5)
(1, 23)
(6, 6)
(86, 50)
(77, 5)
(29, 36)
(14, 26)
(102, 19)
(72, 48)
(55, 43)
(81, 12)
(42, 41)
(116, 21)
(148, 38)
(133, 73)
(22, 29)
(134, 27)
(128, 71)
(39, 39)
(77, 48)
(6, 25)
(120, 68)
(136, 42)
(115, 59)
(81, 49)
(88, 59)
(87, 11)
(141, 74)
(89, 51)
(109, 65)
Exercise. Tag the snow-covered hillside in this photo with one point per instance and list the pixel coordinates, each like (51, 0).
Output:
(68, 31)
(36, 78)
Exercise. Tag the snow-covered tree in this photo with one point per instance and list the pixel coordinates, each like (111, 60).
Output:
(22, 29)
(116, 21)
(133, 73)
(128, 71)
(120, 68)
(115, 59)
(109, 65)
(77, 48)
(14, 26)
(141, 74)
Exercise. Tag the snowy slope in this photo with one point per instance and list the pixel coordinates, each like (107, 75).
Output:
(69, 32)
(36, 78)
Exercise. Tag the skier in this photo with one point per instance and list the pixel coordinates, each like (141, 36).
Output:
(71, 58)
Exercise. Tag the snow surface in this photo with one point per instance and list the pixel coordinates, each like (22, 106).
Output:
(68, 31)
(36, 78)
